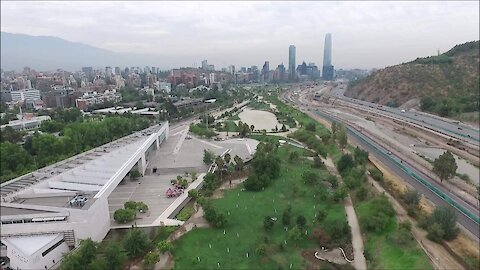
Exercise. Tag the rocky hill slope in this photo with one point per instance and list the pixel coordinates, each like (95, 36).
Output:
(447, 84)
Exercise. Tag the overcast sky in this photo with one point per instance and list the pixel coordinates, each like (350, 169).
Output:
(364, 34)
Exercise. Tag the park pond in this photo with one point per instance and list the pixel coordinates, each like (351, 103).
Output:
(464, 167)
(260, 119)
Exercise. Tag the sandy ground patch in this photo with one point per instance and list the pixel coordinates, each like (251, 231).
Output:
(260, 119)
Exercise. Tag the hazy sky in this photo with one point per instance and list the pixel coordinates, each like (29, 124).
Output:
(364, 34)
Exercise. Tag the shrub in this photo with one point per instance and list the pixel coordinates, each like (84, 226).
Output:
(376, 174)
(165, 246)
(402, 237)
(142, 207)
(124, 215)
(260, 250)
(321, 214)
(446, 218)
(407, 225)
(151, 259)
(411, 197)
(130, 205)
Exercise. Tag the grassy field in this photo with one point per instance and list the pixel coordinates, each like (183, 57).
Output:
(245, 232)
(229, 126)
(383, 252)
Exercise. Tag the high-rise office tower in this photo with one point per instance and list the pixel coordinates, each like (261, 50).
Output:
(291, 62)
(265, 71)
(327, 70)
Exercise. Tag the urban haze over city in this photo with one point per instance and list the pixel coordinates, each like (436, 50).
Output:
(239, 135)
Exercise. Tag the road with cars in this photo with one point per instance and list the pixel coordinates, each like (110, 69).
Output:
(453, 128)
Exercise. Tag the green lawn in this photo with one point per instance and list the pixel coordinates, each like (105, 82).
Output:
(246, 214)
(383, 253)
(229, 126)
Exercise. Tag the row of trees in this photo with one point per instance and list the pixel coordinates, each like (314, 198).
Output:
(40, 150)
(90, 256)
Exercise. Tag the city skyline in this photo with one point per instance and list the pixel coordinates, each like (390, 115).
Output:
(190, 32)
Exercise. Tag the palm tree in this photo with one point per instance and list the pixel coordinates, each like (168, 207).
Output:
(227, 158)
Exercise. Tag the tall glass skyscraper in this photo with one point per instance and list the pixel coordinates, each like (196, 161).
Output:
(291, 62)
(327, 70)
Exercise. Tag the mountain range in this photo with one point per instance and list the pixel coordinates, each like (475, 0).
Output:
(45, 53)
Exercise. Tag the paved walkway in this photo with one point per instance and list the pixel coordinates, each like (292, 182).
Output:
(359, 261)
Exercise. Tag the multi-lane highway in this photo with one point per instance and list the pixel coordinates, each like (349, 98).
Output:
(467, 214)
(449, 127)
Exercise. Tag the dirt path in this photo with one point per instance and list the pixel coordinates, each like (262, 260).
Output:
(359, 261)
(437, 254)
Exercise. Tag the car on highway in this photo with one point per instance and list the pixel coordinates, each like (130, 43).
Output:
(389, 152)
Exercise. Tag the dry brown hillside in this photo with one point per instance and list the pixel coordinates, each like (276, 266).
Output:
(447, 84)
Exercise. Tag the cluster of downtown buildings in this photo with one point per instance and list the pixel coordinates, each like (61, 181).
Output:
(89, 87)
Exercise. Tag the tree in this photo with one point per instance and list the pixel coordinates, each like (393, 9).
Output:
(165, 246)
(99, 263)
(8, 134)
(114, 256)
(81, 259)
(311, 127)
(134, 175)
(310, 177)
(317, 162)
(208, 157)
(284, 128)
(193, 193)
(294, 156)
(360, 156)
(252, 128)
(135, 242)
(268, 223)
(287, 216)
(301, 221)
(345, 163)
(295, 234)
(238, 163)
(341, 135)
(446, 218)
(321, 215)
(88, 250)
(445, 166)
(227, 158)
(151, 259)
(124, 215)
